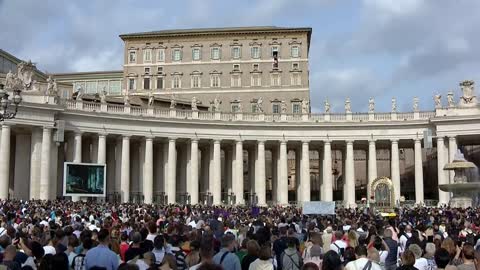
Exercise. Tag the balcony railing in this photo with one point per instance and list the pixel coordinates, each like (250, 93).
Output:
(246, 117)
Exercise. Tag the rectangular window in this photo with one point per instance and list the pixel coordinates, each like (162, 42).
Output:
(296, 79)
(146, 83)
(256, 80)
(236, 67)
(177, 55)
(236, 81)
(254, 107)
(276, 80)
(91, 87)
(215, 54)
(161, 55)
(274, 51)
(295, 51)
(131, 84)
(236, 53)
(160, 70)
(147, 70)
(275, 108)
(159, 82)
(115, 87)
(195, 81)
(235, 107)
(295, 66)
(147, 55)
(295, 108)
(215, 81)
(196, 54)
(256, 66)
(255, 52)
(176, 83)
(132, 57)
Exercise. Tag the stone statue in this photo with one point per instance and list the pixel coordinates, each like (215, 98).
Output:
(394, 104)
(239, 110)
(468, 98)
(450, 101)
(327, 106)
(10, 80)
(371, 105)
(173, 103)
(438, 101)
(283, 107)
(415, 104)
(305, 106)
(260, 105)
(126, 99)
(103, 96)
(52, 89)
(348, 106)
(216, 105)
(151, 99)
(194, 104)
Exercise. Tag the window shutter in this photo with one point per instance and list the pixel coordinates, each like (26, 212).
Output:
(219, 53)
(251, 52)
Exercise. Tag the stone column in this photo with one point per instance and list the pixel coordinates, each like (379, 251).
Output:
(238, 181)
(125, 170)
(418, 172)
(260, 183)
(172, 171)
(5, 161)
(35, 158)
(77, 153)
(193, 185)
(372, 166)
(282, 184)
(350, 176)
(274, 170)
(452, 150)
(443, 197)
(395, 166)
(22, 166)
(148, 171)
(305, 172)
(44, 163)
(327, 172)
(216, 185)
(102, 148)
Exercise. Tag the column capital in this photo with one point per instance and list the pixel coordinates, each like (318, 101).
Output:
(172, 139)
(78, 133)
(440, 139)
(283, 141)
(349, 141)
(452, 138)
(216, 141)
(394, 141)
(327, 142)
(194, 140)
(102, 134)
(418, 140)
(149, 138)
(7, 124)
(372, 141)
(126, 136)
(305, 141)
(261, 141)
(239, 141)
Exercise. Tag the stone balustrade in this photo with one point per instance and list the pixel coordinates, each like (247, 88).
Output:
(247, 117)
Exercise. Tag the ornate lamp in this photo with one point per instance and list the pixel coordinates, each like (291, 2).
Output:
(6, 111)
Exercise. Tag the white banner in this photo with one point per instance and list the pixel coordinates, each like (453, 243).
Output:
(319, 208)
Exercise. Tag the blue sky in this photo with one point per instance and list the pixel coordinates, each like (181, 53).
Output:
(360, 48)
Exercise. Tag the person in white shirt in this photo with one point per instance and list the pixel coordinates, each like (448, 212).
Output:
(404, 238)
(338, 245)
(420, 262)
(362, 261)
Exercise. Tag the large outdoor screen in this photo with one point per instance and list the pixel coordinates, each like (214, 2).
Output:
(84, 179)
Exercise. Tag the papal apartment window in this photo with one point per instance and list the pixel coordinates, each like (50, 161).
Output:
(236, 67)
(161, 55)
(255, 52)
(256, 80)
(160, 83)
(147, 70)
(176, 82)
(295, 66)
(177, 55)
(196, 54)
(215, 54)
(146, 83)
(295, 108)
(235, 107)
(195, 81)
(215, 81)
(236, 81)
(275, 51)
(236, 53)
(147, 55)
(296, 79)
(295, 51)
(275, 108)
(276, 80)
(132, 57)
(160, 70)
(131, 84)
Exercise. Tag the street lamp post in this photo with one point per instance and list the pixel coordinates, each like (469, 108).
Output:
(5, 109)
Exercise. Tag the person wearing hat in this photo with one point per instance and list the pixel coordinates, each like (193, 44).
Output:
(327, 238)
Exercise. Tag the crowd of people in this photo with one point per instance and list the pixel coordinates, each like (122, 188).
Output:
(86, 235)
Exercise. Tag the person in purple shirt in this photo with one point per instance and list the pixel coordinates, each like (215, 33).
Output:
(101, 256)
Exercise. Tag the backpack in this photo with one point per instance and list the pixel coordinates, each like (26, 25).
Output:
(78, 262)
(180, 260)
(340, 250)
(297, 266)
